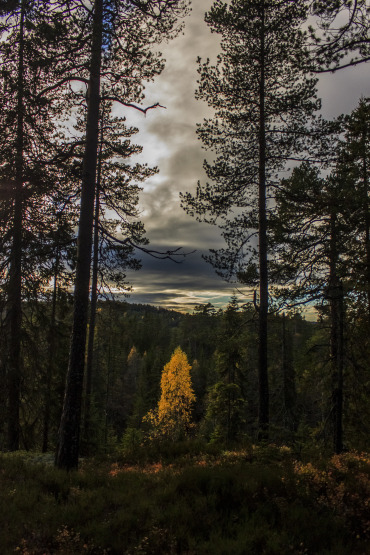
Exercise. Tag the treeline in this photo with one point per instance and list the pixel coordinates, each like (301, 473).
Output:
(133, 343)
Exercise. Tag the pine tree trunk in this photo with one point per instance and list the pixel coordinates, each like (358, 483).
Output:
(69, 433)
(289, 389)
(336, 339)
(336, 352)
(92, 322)
(367, 219)
(50, 366)
(339, 423)
(15, 272)
(263, 417)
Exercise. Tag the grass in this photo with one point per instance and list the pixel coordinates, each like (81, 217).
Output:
(193, 501)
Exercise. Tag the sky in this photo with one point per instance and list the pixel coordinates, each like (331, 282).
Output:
(168, 137)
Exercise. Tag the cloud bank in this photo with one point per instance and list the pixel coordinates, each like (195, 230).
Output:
(169, 141)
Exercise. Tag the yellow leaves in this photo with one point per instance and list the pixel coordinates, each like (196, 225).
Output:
(172, 418)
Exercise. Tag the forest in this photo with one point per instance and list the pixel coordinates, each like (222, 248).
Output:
(139, 429)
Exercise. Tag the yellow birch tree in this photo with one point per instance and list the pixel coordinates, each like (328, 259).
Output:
(172, 417)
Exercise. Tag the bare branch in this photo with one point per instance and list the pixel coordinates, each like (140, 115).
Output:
(169, 254)
(129, 105)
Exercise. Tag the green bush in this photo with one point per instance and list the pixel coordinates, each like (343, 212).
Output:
(188, 500)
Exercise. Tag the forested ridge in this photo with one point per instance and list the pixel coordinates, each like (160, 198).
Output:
(252, 415)
(133, 344)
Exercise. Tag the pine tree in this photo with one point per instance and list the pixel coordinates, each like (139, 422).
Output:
(353, 165)
(114, 239)
(172, 417)
(340, 34)
(128, 30)
(263, 106)
(27, 182)
(313, 241)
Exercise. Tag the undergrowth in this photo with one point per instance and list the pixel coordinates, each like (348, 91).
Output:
(259, 500)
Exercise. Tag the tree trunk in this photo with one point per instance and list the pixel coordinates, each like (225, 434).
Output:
(69, 433)
(15, 272)
(336, 355)
(93, 304)
(289, 389)
(263, 416)
(50, 366)
(367, 218)
(339, 421)
(336, 339)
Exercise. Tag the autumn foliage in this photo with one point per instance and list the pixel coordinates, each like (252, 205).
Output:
(172, 417)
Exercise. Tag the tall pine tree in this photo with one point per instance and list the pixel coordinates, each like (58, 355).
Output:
(27, 51)
(263, 105)
(128, 30)
(313, 236)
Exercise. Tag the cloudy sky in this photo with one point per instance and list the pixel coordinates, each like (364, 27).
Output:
(169, 142)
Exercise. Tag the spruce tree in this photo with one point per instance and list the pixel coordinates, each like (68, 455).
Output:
(227, 404)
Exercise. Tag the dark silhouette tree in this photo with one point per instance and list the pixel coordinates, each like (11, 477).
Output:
(339, 35)
(26, 183)
(353, 166)
(128, 29)
(263, 104)
(313, 236)
(227, 403)
(114, 239)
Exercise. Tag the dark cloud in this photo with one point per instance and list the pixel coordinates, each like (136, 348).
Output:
(169, 141)
(340, 92)
(176, 132)
(180, 285)
(185, 163)
(175, 232)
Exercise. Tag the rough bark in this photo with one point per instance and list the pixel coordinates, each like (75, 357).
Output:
(336, 339)
(69, 433)
(51, 355)
(263, 416)
(92, 322)
(15, 272)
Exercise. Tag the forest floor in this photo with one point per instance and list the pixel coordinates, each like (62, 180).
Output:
(261, 500)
